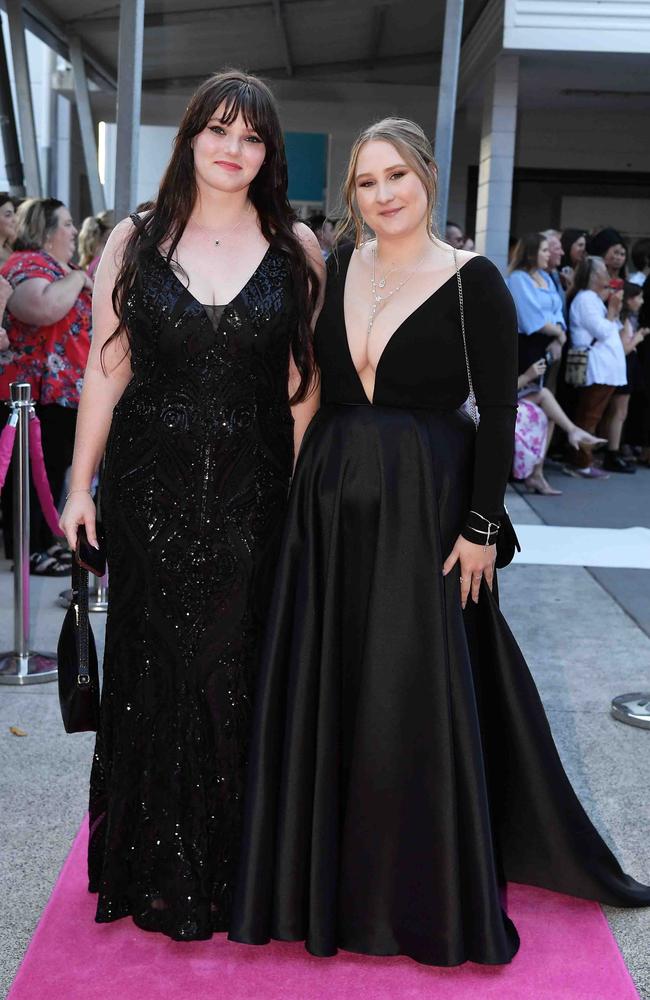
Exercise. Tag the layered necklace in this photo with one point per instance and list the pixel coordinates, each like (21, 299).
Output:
(218, 241)
(377, 283)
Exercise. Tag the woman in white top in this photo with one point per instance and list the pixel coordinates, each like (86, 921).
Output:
(594, 323)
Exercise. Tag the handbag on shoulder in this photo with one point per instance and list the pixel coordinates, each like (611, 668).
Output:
(77, 654)
(577, 359)
(507, 540)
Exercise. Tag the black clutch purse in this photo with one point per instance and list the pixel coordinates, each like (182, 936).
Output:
(76, 652)
(507, 542)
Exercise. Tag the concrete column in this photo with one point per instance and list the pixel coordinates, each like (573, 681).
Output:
(496, 160)
(129, 92)
(338, 157)
(446, 114)
(8, 130)
(86, 125)
(14, 10)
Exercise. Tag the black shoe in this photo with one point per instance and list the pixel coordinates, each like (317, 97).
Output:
(613, 462)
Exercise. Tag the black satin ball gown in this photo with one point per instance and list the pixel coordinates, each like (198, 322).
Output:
(402, 767)
(197, 472)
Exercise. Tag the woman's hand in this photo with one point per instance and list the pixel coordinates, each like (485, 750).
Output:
(476, 562)
(79, 509)
(555, 349)
(535, 372)
(6, 291)
(4, 339)
(614, 303)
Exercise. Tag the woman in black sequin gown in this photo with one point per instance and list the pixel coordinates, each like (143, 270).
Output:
(197, 468)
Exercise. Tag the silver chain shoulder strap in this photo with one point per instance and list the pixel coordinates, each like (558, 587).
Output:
(472, 395)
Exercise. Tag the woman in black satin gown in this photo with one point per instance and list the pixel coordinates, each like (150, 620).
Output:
(402, 768)
(206, 390)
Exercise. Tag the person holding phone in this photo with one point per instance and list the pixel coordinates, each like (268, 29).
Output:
(199, 387)
(537, 406)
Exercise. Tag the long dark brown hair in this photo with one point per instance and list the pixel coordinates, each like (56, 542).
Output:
(235, 93)
(524, 256)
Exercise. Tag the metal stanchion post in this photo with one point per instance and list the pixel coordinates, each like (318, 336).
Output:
(97, 596)
(22, 665)
(633, 709)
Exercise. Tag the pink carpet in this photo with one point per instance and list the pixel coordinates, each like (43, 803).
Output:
(567, 953)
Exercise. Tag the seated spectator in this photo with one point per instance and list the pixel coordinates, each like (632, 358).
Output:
(48, 323)
(7, 225)
(454, 235)
(616, 414)
(540, 319)
(640, 261)
(610, 245)
(93, 235)
(536, 407)
(574, 247)
(594, 324)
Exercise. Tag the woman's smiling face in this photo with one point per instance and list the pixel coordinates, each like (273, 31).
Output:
(227, 157)
(391, 197)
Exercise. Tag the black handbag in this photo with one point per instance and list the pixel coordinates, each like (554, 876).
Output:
(507, 540)
(77, 658)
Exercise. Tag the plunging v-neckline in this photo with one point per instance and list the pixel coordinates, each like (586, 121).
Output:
(371, 399)
(224, 305)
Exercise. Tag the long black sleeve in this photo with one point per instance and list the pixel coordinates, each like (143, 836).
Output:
(491, 333)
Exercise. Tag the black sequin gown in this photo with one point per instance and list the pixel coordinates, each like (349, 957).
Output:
(197, 470)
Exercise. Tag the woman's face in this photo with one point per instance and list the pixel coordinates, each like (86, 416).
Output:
(227, 157)
(615, 258)
(391, 197)
(7, 223)
(577, 251)
(543, 255)
(634, 304)
(61, 242)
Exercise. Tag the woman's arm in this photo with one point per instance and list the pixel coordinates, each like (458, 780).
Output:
(40, 302)
(532, 374)
(630, 338)
(303, 412)
(491, 332)
(102, 388)
(591, 318)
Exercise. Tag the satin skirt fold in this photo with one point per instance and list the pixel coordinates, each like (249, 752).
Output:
(402, 768)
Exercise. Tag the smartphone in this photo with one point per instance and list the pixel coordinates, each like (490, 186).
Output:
(92, 559)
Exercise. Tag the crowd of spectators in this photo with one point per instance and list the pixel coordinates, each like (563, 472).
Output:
(46, 300)
(583, 313)
(584, 361)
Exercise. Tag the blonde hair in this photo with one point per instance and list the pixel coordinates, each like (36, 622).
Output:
(93, 231)
(36, 218)
(409, 140)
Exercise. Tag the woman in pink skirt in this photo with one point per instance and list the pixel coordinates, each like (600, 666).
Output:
(536, 407)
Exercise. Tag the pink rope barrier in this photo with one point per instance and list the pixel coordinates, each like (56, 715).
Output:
(7, 438)
(39, 475)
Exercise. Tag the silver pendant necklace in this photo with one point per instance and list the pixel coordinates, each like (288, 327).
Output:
(378, 300)
(218, 242)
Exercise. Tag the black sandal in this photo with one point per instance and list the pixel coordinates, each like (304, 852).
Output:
(44, 564)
